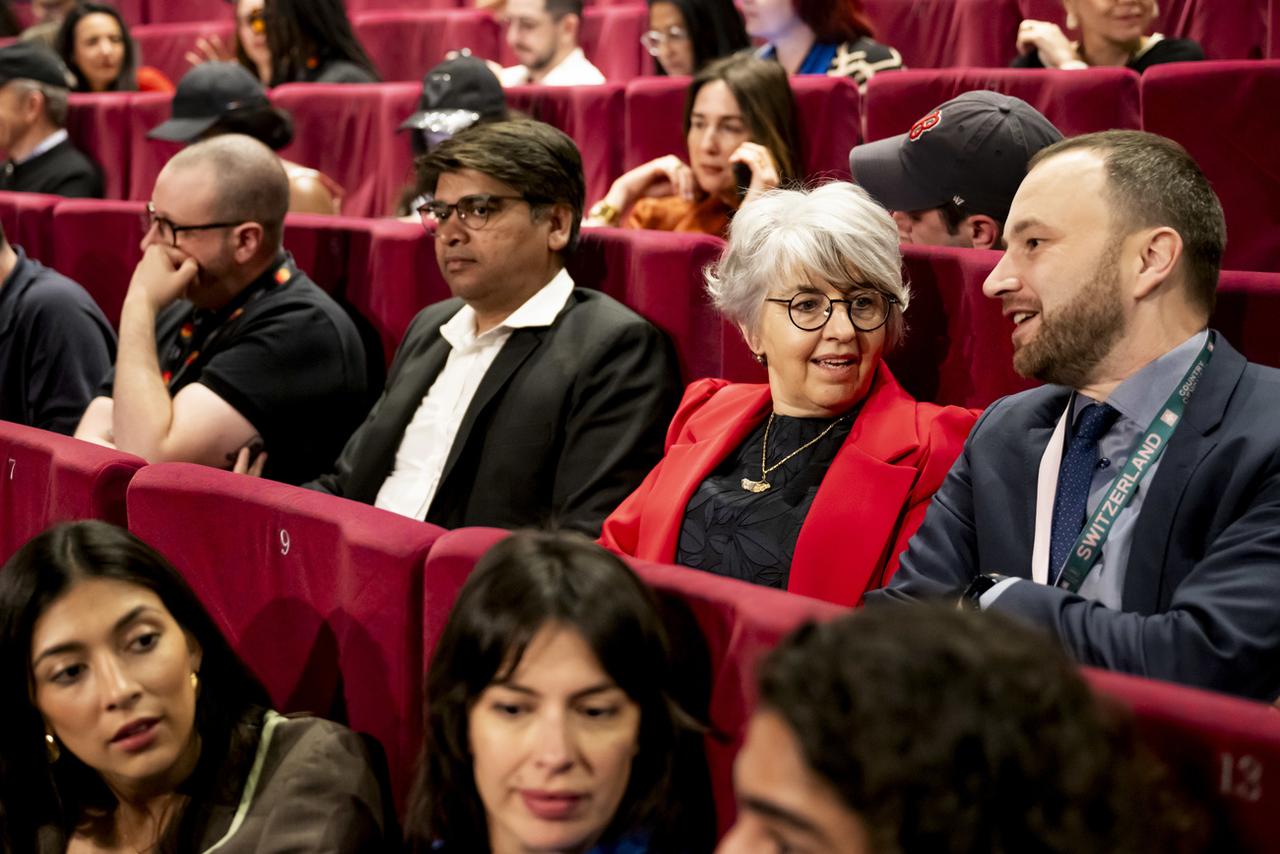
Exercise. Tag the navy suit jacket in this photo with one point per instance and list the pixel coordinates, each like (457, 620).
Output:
(1201, 598)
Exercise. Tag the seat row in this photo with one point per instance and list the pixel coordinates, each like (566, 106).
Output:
(349, 132)
(337, 607)
(957, 351)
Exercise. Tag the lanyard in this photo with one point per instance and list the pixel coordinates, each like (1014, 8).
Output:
(1085, 553)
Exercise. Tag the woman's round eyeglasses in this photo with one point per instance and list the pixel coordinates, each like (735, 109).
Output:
(867, 309)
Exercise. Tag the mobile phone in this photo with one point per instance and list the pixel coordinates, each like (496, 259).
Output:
(742, 178)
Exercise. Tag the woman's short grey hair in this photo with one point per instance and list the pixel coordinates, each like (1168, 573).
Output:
(834, 233)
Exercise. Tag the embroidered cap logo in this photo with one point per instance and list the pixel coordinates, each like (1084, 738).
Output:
(925, 125)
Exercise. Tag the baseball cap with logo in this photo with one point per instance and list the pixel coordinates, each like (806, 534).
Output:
(32, 61)
(973, 150)
(456, 94)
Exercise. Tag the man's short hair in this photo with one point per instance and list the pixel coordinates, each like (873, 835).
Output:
(951, 731)
(557, 9)
(252, 185)
(534, 159)
(55, 99)
(1152, 181)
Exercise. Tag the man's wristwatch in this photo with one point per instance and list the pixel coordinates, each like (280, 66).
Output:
(972, 595)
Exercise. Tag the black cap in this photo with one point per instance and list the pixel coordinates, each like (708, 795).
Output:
(205, 94)
(457, 93)
(973, 150)
(33, 61)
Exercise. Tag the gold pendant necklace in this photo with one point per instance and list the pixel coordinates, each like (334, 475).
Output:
(763, 485)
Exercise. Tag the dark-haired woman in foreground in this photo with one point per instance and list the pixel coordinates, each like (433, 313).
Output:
(550, 726)
(131, 725)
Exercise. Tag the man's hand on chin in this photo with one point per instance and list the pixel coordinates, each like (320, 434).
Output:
(162, 276)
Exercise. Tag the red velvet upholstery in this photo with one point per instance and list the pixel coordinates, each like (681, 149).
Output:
(1075, 101)
(320, 246)
(1248, 313)
(358, 7)
(147, 156)
(1232, 744)
(335, 130)
(47, 477)
(98, 126)
(167, 11)
(942, 33)
(1231, 132)
(28, 222)
(738, 623)
(958, 348)
(162, 45)
(405, 44)
(1226, 29)
(1273, 29)
(319, 595)
(96, 243)
(828, 121)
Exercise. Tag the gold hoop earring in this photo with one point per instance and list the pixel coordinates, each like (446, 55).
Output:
(195, 682)
(51, 747)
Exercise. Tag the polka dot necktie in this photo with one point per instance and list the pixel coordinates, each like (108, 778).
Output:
(1074, 479)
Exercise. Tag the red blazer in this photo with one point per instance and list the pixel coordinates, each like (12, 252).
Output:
(871, 501)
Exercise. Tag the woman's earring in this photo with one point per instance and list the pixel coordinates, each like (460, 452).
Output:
(195, 682)
(51, 747)
(760, 357)
(1072, 22)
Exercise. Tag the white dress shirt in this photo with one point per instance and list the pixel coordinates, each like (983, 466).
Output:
(574, 70)
(411, 486)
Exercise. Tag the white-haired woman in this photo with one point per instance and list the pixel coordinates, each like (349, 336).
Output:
(814, 482)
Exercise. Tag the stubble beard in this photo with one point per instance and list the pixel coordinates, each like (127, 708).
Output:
(1075, 338)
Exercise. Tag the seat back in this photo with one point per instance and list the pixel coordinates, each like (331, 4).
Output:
(47, 478)
(1248, 314)
(96, 243)
(1230, 747)
(1075, 102)
(163, 45)
(28, 222)
(98, 125)
(147, 157)
(1229, 133)
(593, 116)
(406, 43)
(944, 33)
(320, 596)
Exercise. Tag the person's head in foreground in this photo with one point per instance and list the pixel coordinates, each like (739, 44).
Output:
(549, 725)
(118, 685)
(95, 44)
(219, 204)
(927, 730)
(541, 33)
(222, 97)
(684, 35)
(813, 279)
(949, 181)
(506, 203)
(1115, 242)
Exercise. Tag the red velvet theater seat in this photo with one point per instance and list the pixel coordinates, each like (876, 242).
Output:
(1231, 745)
(147, 156)
(828, 121)
(1248, 314)
(319, 595)
(406, 43)
(28, 222)
(357, 7)
(163, 46)
(958, 348)
(1075, 101)
(96, 243)
(1224, 113)
(943, 33)
(47, 478)
(167, 11)
(98, 124)
(737, 623)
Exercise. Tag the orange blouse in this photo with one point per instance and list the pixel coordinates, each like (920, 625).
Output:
(673, 213)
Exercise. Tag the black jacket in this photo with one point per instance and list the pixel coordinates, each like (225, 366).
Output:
(62, 170)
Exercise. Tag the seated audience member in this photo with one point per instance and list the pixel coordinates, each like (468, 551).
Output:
(552, 724)
(765, 483)
(684, 35)
(221, 97)
(48, 16)
(95, 44)
(525, 399)
(224, 343)
(250, 47)
(131, 724)
(543, 34)
(950, 180)
(456, 94)
(1110, 34)
(311, 41)
(33, 101)
(739, 125)
(55, 344)
(1055, 512)
(936, 731)
(831, 37)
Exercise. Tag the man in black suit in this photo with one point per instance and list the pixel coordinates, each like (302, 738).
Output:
(33, 127)
(524, 400)
(1131, 507)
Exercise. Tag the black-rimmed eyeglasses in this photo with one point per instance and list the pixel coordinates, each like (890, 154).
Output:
(169, 230)
(473, 211)
(867, 309)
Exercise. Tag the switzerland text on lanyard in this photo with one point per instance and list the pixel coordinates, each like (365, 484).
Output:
(1085, 553)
